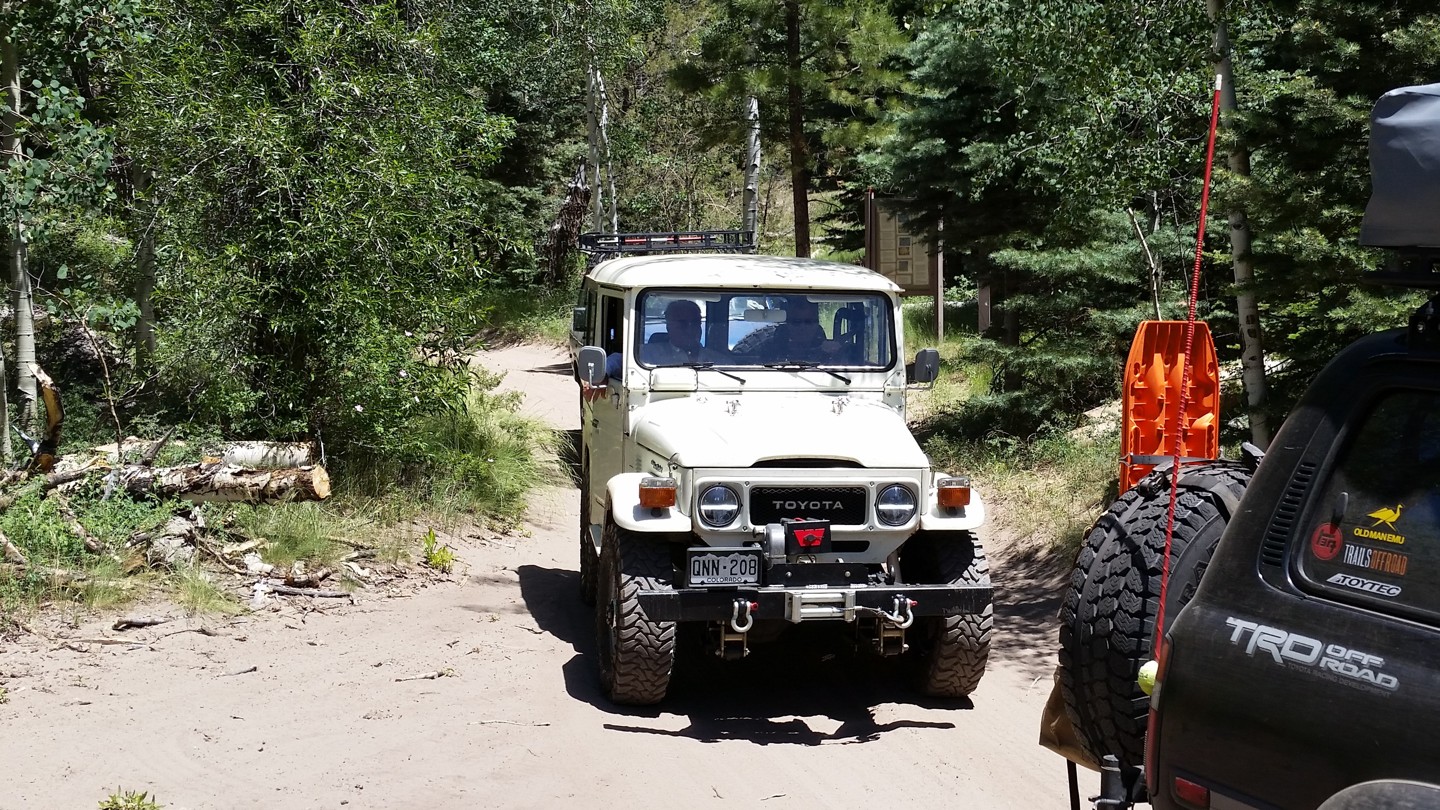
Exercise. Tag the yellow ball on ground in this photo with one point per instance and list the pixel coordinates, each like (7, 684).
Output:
(1147, 676)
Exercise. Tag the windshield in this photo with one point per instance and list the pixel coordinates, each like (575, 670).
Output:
(759, 328)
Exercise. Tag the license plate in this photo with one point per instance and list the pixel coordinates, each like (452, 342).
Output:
(724, 567)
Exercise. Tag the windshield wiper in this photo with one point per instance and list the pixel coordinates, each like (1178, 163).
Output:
(711, 367)
(808, 365)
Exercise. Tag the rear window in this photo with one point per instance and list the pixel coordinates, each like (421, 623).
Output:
(1374, 535)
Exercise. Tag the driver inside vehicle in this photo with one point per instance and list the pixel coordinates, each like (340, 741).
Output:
(680, 343)
(800, 336)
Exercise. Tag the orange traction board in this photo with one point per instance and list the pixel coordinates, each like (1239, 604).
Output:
(1151, 399)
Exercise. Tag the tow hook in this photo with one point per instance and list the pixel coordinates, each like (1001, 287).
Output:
(901, 616)
(729, 639)
(740, 619)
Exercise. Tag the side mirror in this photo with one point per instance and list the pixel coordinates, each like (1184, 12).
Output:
(590, 365)
(578, 320)
(927, 365)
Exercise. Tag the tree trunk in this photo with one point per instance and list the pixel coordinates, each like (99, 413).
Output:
(565, 230)
(799, 148)
(144, 267)
(9, 150)
(752, 169)
(592, 125)
(221, 482)
(1252, 352)
(604, 100)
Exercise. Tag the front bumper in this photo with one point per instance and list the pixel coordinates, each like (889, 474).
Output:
(822, 603)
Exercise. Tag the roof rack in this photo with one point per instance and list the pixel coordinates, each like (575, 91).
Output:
(1416, 268)
(615, 244)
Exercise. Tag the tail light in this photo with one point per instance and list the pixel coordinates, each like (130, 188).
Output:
(1152, 724)
(1192, 793)
(657, 493)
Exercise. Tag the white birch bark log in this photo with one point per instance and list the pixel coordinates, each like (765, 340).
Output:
(269, 455)
(219, 482)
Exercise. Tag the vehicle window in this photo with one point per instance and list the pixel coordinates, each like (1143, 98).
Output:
(587, 302)
(1374, 535)
(760, 328)
(612, 330)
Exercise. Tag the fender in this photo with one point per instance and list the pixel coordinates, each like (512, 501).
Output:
(622, 498)
(940, 520)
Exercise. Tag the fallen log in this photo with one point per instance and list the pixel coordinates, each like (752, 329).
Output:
(44, 450)
(269, 455)
(211, 482)
(139, 621)
(286, 590)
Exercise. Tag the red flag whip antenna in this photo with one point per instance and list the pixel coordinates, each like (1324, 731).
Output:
(1185, 367)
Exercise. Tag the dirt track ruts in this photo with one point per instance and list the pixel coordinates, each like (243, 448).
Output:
(323, 722)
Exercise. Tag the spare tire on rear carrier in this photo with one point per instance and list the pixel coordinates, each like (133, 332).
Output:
(1107, 619)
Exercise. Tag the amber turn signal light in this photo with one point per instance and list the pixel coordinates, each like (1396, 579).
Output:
(657, 493)
(953, 493)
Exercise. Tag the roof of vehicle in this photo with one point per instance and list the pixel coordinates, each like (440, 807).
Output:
(737, 271)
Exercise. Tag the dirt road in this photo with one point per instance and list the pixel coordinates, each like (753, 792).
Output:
(324, 719)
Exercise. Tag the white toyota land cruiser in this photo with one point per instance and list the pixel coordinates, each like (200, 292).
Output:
(745, 463)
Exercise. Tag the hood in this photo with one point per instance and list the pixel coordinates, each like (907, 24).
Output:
(738, 431)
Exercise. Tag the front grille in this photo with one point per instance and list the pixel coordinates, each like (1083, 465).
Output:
(842, 505)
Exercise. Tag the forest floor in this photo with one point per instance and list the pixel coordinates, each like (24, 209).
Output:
(479, 690)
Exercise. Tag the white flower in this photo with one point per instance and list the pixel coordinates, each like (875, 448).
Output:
(359, 408)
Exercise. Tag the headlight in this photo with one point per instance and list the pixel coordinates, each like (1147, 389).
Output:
(719, 505)
(895, 506)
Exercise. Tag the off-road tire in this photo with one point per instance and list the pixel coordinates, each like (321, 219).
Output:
(589, 559)
(1107, 618)
(953, 650)
(636, 654)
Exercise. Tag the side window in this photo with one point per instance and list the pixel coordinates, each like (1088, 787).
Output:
(1374, 534)
(612, 328)
(587, 303)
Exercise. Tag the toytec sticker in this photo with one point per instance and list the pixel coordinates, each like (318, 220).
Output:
(1377, 559)
(1366, 585)
(1332, 662)
(1326, 542)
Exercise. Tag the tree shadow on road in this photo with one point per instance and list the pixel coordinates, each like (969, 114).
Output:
(563, 369)
(809, 673)
(1029, 586)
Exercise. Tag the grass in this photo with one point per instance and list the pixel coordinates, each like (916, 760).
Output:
(129, 800)
(1046, 488)
(534, 314)
(195, 591)
(310, 532)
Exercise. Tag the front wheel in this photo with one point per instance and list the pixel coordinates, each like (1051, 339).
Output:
(636, 654)
(954, 649)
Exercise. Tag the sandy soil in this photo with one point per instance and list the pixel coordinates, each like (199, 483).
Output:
(309, 706)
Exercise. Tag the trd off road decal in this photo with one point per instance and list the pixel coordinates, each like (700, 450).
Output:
(1332, 662)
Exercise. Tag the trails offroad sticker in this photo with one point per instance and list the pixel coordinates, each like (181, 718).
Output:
(1326, 542)
(1332, 662)
(1377, 559)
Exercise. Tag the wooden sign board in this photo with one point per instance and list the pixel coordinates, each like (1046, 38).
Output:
(896, 252)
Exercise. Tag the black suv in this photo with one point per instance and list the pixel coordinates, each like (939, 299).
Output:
(1304, 668)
